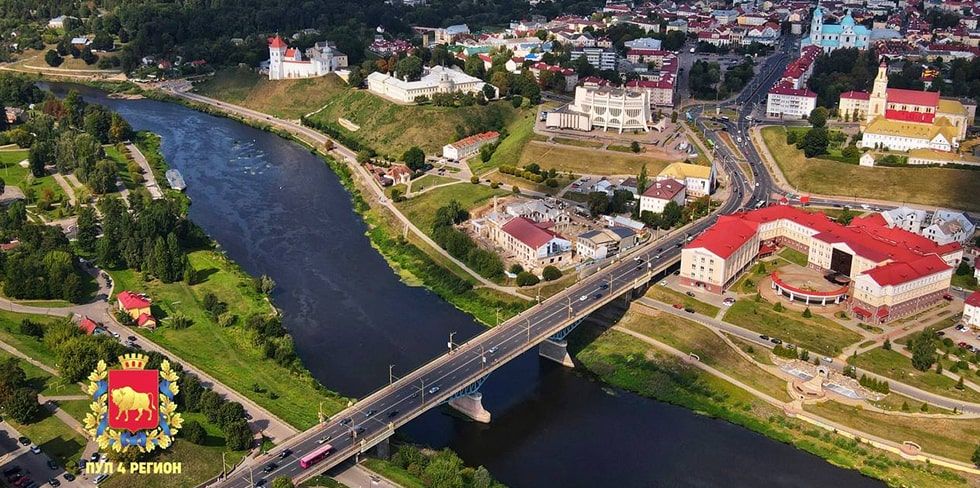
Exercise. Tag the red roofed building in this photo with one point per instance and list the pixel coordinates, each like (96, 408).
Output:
(531, 243)
(786, 102)
(660, 193)
(894, 273)
(88, 325)
(971, 310)
(135, 305)
(469, 146)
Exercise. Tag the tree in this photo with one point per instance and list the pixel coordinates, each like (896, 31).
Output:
(194, 432)
(3, 184)
(976, 456)
(238, 436)
(635, 146)
(31, 328)
(887, 345)
(815, 142)
(119, 129)
(88, 56)
(40, 154)
(88, 231)
(550, 273)
(959, 384)
(923, 347)
(22, 405)
(53, 58)
(481, 478)
(807, 313)
(414, 158)
(409, 68)
(598, 203)
(525, 278)
(282, 482)
(818, 117)
(445, 470)
(229, 413)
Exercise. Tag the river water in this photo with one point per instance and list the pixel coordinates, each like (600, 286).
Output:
(278, 210)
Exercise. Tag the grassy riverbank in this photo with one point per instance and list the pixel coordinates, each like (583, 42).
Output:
(627, 363)
(230, 354)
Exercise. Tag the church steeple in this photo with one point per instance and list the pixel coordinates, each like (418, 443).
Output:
(879, 93)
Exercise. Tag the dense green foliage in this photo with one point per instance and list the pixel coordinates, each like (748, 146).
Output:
(442, 469)
(17, 398)
(460, 245)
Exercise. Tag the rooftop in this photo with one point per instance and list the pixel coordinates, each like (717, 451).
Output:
(532, 234)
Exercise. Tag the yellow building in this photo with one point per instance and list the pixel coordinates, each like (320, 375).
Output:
(699, 179)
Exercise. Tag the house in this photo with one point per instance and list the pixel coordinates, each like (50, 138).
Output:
(59, 21)
(699, 180)
(533, 244)
(400, 174)
(469, 146)
(661, 192)
(867, 160)
(90, 326)
(602, 243)
(80, 42)
(971, 309)
(137, 306)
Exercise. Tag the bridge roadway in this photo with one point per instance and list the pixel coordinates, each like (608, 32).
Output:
(437, 381)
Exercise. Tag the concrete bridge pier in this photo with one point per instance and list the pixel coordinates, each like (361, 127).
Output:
(471, 405)
(557, 351)
(383, 449)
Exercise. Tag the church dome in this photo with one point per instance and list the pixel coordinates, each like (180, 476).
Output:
(848, 21)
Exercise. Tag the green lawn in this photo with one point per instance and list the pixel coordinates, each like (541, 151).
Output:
(967, 282)
(15, 175)
(954, 188)
(567, 141)
(421, 209)
(793, 256)
(427, 181)
(508, 153)
(691, 337)
(34, 348)
(816, 334)
(122, 167)
(893, 365)
(667, 295)
(228, 353)
(290, 99)
(198, 462)
(749, 282)
(394, 473)
(952, 438)
(581, 160)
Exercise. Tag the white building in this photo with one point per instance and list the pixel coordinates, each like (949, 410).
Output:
(599, 244)
(437, 79)
(786, 102)
(286, 62)
(660, 193)
(451, 33)
(971, 309)
(948, 226)
(468, 146)
(698, 180)
(599, 58)
(897, 135)
(613, 108)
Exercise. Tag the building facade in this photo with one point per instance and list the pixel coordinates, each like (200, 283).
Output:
(288, 63)
(699, 180)
(613, 108)
(437, 79)
(469, 146)
(847, 34)
(660, 193)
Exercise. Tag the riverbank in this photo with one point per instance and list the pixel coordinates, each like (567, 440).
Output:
(618, 359)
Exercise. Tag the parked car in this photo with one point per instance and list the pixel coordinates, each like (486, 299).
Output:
(35, 449)
(690, 293)
(24, 441)
(776, 341)
(678, 306)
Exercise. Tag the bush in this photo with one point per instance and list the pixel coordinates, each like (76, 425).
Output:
(475, 179)
(807, 313)
(516, 269)
(550, 273)
(778, 307)
(194, 432)
(525, 278)
(30, 328)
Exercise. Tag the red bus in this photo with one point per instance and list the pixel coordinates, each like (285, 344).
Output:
(315, 456)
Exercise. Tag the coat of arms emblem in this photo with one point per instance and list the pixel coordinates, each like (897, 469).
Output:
(133, 407)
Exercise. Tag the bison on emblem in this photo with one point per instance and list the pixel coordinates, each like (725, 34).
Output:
(127, 400)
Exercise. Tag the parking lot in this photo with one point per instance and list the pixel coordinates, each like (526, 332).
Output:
(964, 336)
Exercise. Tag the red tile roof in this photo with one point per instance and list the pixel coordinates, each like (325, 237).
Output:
(145, 318)
(664, 189)
(88, 325)
(907, 116)
(902, 272)
(973, 299)
(913, 97)
(856, 95)
(786, 88)
(533, 234)
(277, 42)
(476, 139)
(725, 237)
(130, 300)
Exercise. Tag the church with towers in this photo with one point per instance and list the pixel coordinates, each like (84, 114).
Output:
(902, 120)
(286, 62)
(828, 37)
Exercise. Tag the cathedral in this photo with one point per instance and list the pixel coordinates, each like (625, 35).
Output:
(899, 119)
(829, 37)
(286, 62)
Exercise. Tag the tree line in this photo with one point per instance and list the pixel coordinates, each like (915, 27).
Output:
(460, 245)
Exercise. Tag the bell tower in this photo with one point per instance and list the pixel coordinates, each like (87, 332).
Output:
(879, 94)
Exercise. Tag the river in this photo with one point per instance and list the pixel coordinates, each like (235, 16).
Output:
(278, 210)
